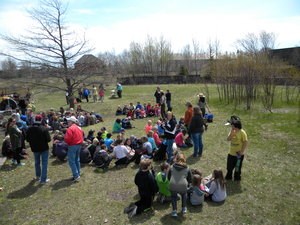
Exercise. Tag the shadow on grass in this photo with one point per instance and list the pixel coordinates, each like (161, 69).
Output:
(168, 219)
(26, 191)
(142, 218)
(190, 160)
(233, 187)
(57, 162)
(62, 184)
(214, 204)
(8, 167)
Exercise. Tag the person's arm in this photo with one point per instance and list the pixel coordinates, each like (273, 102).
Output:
(231, 134)
(244, 147)
(213, 187)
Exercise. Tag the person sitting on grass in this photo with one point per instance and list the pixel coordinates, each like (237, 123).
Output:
(147, 188)
(85, 155)
(180, 139)
(101, 158)
(164, 193)
(120, 153)
(195, 194)
(117, 126)
(108, 141)
(216, 187)
(148, 126)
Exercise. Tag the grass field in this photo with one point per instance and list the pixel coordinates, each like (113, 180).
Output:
(268, 193)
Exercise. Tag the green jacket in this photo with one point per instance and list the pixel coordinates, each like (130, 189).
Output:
(163, 184)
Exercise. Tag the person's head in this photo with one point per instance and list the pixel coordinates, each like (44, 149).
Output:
(184, 132)
(196, 181)
(196, 110)
(72, 120)
(196, 171)
(149, 122)
(118, 120)
(38, 119)
(188, 104)
(144, 139)
(180, 159)
(127, 141)
(145, 164)
(164, 166)
(150, 133)
(219, 177)
(108, 135)
(95, 141)
(169, 115)
(103, 146)
(119, 141)
(236, 124)
(103, 129)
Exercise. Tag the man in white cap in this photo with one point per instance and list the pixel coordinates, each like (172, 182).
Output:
(74, 139)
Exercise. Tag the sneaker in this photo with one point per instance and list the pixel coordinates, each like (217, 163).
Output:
(174, 213)
(132, 212)
(45, 182)
(129, 208)
(37, 179)
(21, 164)
(184, 210)
(76, 179)
(14, 162)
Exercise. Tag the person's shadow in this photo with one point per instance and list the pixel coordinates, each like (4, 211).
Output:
(233, 187)
(25, 192)
(62, 184)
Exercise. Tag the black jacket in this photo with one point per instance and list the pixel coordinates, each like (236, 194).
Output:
(197, 124)
(170, 128)
(145, 181)
(38, 137)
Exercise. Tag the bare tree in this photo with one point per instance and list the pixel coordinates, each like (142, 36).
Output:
(51, 46)
(9, 68)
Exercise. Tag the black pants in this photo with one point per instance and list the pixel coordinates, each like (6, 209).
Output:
(122, 161)
(17, 154)
(119, 93)
(231, 163)
(144, 203)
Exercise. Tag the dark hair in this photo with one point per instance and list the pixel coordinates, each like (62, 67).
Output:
(196, 110)
(108, 135)
(118, 120)
(164, 166)
(237, 124)
(196, 181)
(219, 178)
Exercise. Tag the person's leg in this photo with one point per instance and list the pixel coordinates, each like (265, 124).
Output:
(231, 161)
(37, 164)
(169, 143)
(195, 138)
(71, 160)
(237, 173)
(44, 155)
(174, 201)
(200, 150)
(183, 202)
(77, 159)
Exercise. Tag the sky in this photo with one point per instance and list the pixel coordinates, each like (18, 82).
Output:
(111, 25)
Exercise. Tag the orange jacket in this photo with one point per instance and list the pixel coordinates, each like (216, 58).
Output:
(188, 115)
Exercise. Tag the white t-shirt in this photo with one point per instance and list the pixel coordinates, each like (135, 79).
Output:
(120, 151)
(218, 193)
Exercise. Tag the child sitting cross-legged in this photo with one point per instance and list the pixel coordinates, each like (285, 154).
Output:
(101, 158)
(215, 187)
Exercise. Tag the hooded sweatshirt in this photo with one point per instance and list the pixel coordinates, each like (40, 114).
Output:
(180, 176)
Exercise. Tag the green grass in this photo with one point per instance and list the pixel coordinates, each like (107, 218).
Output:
(268, 193)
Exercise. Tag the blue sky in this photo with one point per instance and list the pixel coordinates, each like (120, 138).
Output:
(113, 24)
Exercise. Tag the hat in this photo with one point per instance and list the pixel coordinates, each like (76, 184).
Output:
(201, 95)
(72, 119)
(38, 119)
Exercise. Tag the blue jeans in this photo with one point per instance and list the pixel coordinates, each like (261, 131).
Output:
(198, 145)
(169, 143)
(74, 159)
(41, 172)
(174, 199)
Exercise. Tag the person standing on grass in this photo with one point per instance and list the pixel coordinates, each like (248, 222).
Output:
(169, 127)
(157, 95)
(38, 137)
(168, 100)
(180, 177)
(15, 135)
(238, 145)
(74, 139)
(95, 94)
(196, 130)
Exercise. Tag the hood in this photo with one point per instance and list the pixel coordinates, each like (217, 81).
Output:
(179, 167)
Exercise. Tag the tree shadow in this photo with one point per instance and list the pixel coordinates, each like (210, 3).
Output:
(233, 187)
(26, 191)
(62, 184)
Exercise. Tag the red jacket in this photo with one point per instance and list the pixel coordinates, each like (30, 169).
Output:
(74, 135)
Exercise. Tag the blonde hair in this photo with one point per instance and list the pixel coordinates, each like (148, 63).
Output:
(180, 159)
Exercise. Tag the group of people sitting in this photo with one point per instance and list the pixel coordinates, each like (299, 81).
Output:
(139, 110)
(175, 181)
